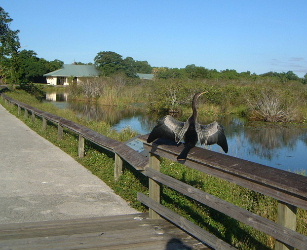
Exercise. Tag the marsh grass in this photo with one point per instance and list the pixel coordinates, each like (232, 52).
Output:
(271, 106)
(101, 163)
(261, 99)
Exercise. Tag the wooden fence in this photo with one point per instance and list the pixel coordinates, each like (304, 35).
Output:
(288, 188)
(121, 150)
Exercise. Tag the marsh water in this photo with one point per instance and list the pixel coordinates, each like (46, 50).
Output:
(279, 146)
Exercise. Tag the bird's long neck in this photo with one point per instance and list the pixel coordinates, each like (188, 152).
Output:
(194, 108)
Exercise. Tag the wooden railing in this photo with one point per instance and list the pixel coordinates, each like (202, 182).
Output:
(288, 188)
(123, 153)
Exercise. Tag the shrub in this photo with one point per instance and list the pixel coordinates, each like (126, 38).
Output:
(271, 106)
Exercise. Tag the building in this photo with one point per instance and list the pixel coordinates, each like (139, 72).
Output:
(145, 76)
(71, 72)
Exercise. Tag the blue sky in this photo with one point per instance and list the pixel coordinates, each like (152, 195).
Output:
(259, 36)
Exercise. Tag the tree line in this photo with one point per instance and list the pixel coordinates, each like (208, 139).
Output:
(24, 66)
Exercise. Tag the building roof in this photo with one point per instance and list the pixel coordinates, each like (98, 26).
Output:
(69, 70)
(145, 76)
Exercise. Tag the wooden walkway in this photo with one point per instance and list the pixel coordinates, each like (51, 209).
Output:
(134, 231)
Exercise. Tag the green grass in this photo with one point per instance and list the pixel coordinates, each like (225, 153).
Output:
(101, 163)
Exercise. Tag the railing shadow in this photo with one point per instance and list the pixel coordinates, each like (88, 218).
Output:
(176, 244)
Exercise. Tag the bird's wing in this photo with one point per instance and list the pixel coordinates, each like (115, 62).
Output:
(167, 128)
(212, 133)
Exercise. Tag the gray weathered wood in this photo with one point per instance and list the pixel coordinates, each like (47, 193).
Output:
(285, 233)
(118, 167)
(44, 123)
(154, 187)
(286, 216)
(60, 131)
(199, 233)
(33, 116)
(285, 186)
(135, 159)
(26, 115)
(133, 231)
(81, 146)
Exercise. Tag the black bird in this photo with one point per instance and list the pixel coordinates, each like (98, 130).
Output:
(190, 131)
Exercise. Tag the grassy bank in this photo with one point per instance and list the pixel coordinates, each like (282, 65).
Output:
(101, 164)
(263, 99)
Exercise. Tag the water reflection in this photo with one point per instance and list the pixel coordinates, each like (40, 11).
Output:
(56, 97)
(120, 118)
(273, 145)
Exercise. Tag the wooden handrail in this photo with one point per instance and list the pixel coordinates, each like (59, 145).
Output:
(279, 184)
(124, 152)
(288, 188)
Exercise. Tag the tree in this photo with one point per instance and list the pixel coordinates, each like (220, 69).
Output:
(129, 66)
(170, 73)
(290, 75)
(195, 72)
(54, 65)
(32, 68)
(143, 67)
(9, 46)
(230, 74)
(109, 62)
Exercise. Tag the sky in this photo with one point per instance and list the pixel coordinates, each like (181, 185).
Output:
(257, 36)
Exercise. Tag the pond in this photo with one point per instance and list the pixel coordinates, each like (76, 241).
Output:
(282, 147)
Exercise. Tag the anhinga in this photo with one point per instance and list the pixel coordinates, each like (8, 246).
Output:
(190, 131)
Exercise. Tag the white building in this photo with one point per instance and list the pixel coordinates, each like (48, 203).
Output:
(71, 72)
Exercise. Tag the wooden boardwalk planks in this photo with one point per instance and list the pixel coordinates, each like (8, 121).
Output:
(111, 232)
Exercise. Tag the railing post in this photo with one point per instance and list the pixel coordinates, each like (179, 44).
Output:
(26, 114)
(118, 167)
(33, 116)
(81, 146)
(44, 126)
(286, 216)
(60, 131)
(154, 187)
(18, 110)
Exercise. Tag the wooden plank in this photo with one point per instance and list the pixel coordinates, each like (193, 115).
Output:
(21, 227)
(286, 216)
(60, 132)
(33, 116)
(280, 232)
(111, 232)
(134, 158)
(199, 233)
(154, 187)
(282, 185)
(44, 123)
(26, 114)
(81, 151)
(118, 167)
(69, 227)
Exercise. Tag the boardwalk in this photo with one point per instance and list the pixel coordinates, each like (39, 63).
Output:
(49, 201)
(38, 181)
(109, 232)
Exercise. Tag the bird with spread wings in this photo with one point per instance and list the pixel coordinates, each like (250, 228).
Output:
(190, 131)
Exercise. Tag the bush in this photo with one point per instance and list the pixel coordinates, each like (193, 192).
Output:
(32, 89)
(271, 106)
